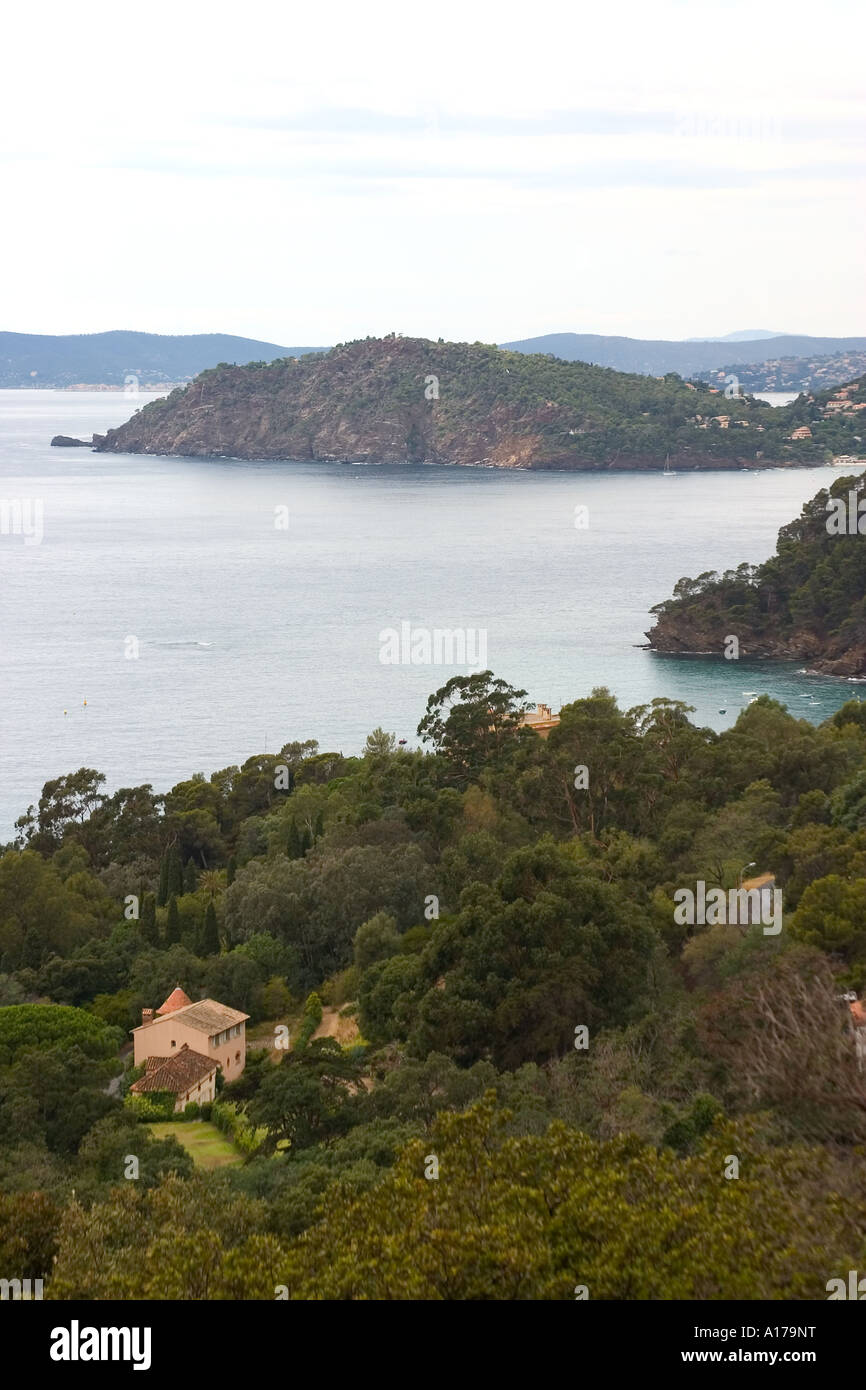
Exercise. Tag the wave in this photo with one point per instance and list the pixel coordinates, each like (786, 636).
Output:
(190, 643)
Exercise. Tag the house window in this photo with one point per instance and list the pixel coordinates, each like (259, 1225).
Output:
(237, 1056)
(173, 1043)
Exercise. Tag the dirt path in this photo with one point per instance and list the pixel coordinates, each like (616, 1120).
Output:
(345, 1030)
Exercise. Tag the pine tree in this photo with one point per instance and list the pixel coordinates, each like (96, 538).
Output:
(162, 891)
(172, 923)
(175, 873)
(210, 944)
(147, 922)
(190, 877)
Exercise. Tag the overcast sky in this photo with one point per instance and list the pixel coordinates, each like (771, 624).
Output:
(308, 174)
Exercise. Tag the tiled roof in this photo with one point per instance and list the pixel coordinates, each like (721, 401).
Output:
(186, 1068)
(858, 1013)
(207, 1016)
(176, 1000)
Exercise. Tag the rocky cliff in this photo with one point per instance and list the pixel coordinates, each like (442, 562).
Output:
(807, 603)
(408, 400)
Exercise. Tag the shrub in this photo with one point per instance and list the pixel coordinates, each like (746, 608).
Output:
(156, 1105)
(312, 1017)
(236, 1125)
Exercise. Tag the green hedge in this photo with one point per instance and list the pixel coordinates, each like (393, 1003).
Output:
(155, 1105)
(236, 1125)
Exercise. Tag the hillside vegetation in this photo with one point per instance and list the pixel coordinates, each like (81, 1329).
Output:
(806, 603)
(407, 400)
(552, 1071)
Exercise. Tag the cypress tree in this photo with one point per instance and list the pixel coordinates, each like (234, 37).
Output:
(190, 877)
(231, 870)
(306, 841)
(172, 923)
(147, 923)
(320, 827)
(162, 890)
(210, 934)
(175, 873)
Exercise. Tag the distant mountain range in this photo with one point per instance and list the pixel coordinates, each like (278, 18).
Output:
(656, 357)
(107, 359)
(745, 335)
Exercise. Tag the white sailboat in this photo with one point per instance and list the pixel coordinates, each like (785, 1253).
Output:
(668, 471)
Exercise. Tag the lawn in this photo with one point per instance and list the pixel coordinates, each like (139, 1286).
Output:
(209, 1147)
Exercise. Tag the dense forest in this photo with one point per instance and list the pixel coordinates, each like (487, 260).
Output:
(544, 1079)
(407, 400)
(807, 602)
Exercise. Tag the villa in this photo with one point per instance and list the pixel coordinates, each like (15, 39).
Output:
(182, 1045)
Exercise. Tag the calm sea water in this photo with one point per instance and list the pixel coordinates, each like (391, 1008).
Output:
(249, 635)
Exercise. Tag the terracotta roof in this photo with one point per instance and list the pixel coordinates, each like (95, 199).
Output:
(176, 1000)
(207, 1016)
(858, 1013)
(177, 1073)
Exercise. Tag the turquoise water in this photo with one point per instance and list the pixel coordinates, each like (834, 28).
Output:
(249, 635)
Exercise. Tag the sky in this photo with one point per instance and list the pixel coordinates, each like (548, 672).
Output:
(309, 174)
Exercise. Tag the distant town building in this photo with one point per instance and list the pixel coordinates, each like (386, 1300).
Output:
(857, 1015)
(541, 719)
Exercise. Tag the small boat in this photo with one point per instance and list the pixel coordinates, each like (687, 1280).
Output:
(668, 471)
(723, 711)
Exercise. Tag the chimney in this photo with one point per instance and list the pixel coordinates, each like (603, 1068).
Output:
(146, 1016)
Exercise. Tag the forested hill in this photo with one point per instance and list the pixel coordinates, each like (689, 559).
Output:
(107, 359)
(807, 603)
(409, 400)
(512, 1065)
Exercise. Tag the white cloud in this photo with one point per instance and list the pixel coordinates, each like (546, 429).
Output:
(486, 170)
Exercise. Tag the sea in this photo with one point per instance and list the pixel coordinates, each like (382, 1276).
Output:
(167, 616)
